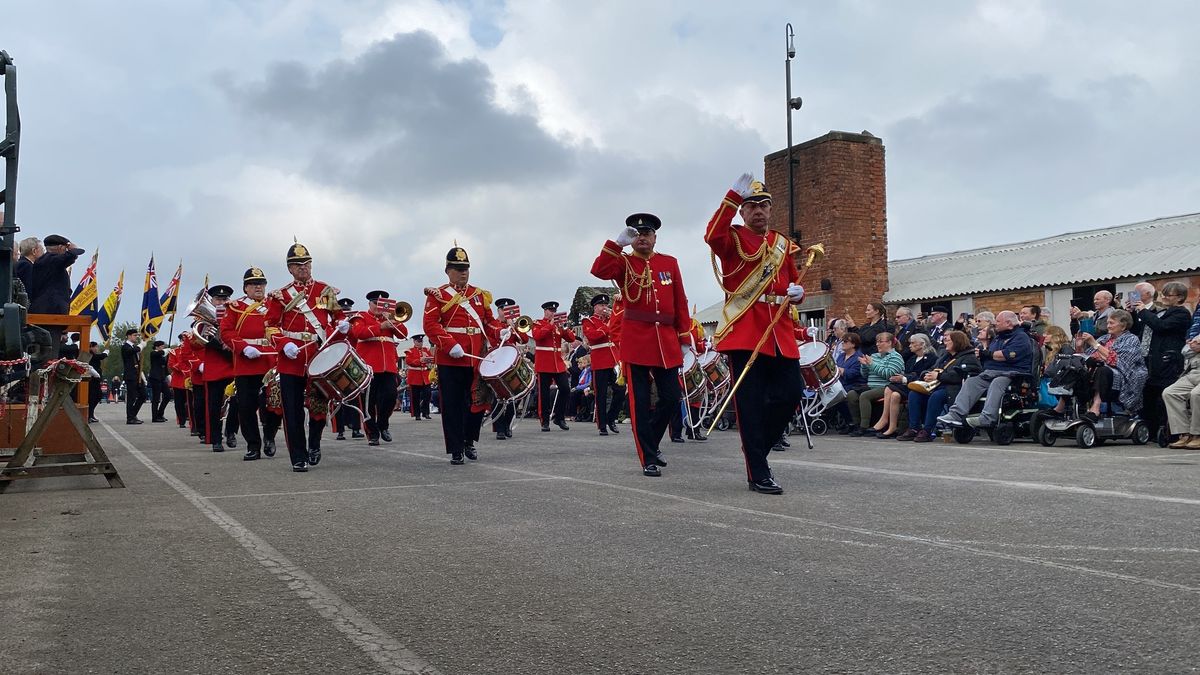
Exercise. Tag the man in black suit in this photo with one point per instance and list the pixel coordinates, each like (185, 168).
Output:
(131, 356)
(51, 291)
(157, 379)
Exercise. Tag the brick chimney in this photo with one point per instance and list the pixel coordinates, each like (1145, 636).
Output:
(840, 201)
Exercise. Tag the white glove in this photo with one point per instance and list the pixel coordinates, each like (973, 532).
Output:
(202, 368)
(742, 184)
(456, 352)
(626, 237)
(343, 327)
(290, 350)
(250, 352)
(505, 333)
(795, 292)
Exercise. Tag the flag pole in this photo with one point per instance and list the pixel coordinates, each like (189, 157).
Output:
(171, 333)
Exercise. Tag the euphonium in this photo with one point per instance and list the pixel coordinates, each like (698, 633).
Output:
(205, 313)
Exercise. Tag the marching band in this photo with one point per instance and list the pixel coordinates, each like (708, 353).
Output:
(291, 357)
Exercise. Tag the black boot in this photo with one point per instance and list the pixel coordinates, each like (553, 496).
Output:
(251, 455)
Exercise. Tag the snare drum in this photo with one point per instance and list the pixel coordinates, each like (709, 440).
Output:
(693, 376)
(715, 369)
(338, 372)
(817, 366)
(506, 372)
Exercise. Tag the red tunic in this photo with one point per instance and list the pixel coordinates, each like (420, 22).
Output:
(177, 363)
(376, 344)
(245, 325)
(656, 315)
(308, 324)
(737, 247)
(418, 371)
(698, 338)
(547, 338)
(218, 363)
(600, 342)
(448, 322)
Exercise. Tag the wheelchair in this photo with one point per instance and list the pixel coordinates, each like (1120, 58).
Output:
(1019, 416)
(1115, 422)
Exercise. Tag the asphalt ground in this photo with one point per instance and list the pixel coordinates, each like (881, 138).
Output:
(553, 554)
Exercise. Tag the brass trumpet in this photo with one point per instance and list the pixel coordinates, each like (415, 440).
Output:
(403, 313)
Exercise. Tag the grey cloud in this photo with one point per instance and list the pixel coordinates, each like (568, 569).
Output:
(402, 118)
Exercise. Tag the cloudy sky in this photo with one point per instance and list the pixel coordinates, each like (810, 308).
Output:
(379, 131)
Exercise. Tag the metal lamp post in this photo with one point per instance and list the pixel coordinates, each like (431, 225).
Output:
(792, 104)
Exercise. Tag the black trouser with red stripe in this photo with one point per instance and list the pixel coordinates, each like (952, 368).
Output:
(606, 385)
(545, 398)
(291, 391)
(418, 400)
(381, 402)
(454, 391)
(181, 398)
(252, 408)
(765, 403)
(649, 427)
(214, 395)
(199, 409)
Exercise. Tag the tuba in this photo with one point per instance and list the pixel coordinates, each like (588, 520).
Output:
(204, 329)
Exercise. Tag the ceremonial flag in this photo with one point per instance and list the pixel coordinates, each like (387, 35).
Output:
(83, 300)
(152, 314)
(108, 312)
(170, 297)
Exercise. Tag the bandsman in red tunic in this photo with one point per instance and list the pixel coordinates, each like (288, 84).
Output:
(605, 358)
(678, 428)
(376, 333)
(217, 368)
(418, 360)
(199, 410)
(502, 425)
(349, 415)
(549, 333)
(757, 275)
(654, 325)
(459, 321)
(177, 363)
(244, 330)
(301, 317)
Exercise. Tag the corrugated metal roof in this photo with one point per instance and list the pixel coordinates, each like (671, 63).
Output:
(1153, 247)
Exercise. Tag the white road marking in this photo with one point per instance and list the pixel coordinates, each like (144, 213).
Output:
(1026, 485)
(390, 655)
(378, 487)
(906, 538)
(1186, 454)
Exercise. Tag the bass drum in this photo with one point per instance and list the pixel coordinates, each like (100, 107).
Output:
(506, 372)
(338, 372)
(693, 376)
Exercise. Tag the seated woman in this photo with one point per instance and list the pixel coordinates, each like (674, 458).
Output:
(921, 358)
(885, 363)
(956, 364)
(1119, 372)
(581, 394)
(850, 375)
(983, 330)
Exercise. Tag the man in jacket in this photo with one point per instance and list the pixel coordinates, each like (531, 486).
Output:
(1009, 355)
(131, 359)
